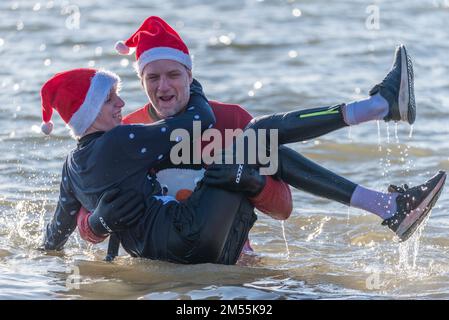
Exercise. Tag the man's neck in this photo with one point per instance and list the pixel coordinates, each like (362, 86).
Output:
(152, 113)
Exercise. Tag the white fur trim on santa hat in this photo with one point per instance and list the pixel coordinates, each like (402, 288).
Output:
(100, 86)
(163, 53)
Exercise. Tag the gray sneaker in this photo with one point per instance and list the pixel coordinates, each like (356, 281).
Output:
(414, 204)
(398, 88)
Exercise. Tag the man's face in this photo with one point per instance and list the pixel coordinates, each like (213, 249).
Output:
(110, 114)
(167, 84)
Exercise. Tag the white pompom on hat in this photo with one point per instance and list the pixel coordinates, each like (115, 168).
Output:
(122, 48)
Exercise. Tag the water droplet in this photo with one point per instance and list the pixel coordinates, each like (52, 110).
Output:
(14, 6)
(411, 132)
(213, 41)
(143, 150)
(124, 62)
(257, 85)
(357, 90)
(163, 129)
(19, 25)
(285, 240)
(160, 156)
(226, 40)
(16, 87)
(47, 62)
(396, 132)
(91, 63)
(42, 47)
(293, 53)
(131, 135)
(388, 133)
(35, 128)
(98, 51)
(296, 12)
(37, 7)
(251, 93)
(180, 24)
(2, 42)
(76, 48)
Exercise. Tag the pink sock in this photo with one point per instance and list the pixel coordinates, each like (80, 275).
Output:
(381, 204)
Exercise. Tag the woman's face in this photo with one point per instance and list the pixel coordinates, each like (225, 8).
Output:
(110, 114)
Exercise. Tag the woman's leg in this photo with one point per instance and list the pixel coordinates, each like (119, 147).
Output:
(300, 125)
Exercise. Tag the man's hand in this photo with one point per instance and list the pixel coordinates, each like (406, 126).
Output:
(116, 211)
(235, 177)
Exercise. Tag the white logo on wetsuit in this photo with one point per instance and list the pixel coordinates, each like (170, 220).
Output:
(239, 173)
(105, 225)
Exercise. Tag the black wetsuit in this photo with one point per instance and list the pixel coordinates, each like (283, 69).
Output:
(213, 224)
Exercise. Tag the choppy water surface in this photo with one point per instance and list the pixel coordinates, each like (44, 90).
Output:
(272, 55)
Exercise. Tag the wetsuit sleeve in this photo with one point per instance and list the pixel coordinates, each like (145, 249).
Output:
(64, 221)
(84, 229)
(275, 198)
(152, 143)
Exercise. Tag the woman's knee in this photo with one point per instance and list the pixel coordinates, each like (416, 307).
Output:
(262, 122)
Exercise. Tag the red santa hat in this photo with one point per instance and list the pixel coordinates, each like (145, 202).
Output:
(78, 96)
(155, 40)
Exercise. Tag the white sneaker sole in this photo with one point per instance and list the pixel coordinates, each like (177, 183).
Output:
(416, 216)
(404, 96)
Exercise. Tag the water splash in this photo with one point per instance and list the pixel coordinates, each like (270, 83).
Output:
(25, 229)
(409, 250)
(318, 230)
(285, 240)
(396, 132)
(388, 133)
